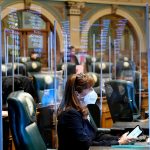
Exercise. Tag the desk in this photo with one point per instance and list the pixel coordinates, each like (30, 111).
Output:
(7, 137)
(127, 126)
(139, 146)
(143, 125)
(106, 121)
(144, 100)
(46, 121)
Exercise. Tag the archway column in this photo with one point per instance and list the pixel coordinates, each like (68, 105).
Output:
(44, 12)
(74, 12)
(119, 12)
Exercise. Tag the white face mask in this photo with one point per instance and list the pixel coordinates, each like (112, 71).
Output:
(90, 98)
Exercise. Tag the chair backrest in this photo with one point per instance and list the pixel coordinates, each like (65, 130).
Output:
(17, 82)
(71, 68)
(125, 69)
(23, 59)
(138, 81)
(120, 96)
(95, 114)
(44, 86)
(33, 66)
(22, 118)
(8, 69)
(88, 61)
(105, 66)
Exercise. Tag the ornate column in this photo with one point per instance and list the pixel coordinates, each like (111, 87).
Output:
(74, 12)
(27, 3)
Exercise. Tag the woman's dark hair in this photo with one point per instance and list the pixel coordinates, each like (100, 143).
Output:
(75, 83)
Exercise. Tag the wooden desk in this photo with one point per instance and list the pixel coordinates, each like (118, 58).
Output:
(100, 148)
(106, 120)
(106, 116)
(144, 100)
(138, 145)
(7, 137)
(46, 121)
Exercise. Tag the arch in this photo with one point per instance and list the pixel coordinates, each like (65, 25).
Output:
(122, 13)
(44, 12)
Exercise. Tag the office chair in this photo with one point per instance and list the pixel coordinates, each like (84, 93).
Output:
(69, 67)
(19, 69)
(20, 83)
(88, 61)
(125, 69)
(44, 87)
(95, 114)
(23, 59)
(138, 81)
(22, 118)
(33, 67)
(105, 66)
(6, 69)
(120, 96)
(95, 118)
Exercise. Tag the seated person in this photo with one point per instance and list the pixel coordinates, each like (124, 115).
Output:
(75, 132)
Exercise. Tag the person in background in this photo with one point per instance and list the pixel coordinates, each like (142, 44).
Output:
(75, 132)
(35, 56)
(71, 56)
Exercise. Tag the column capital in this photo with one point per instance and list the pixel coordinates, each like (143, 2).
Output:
(27, 3)
(74, 8)
(114, 8)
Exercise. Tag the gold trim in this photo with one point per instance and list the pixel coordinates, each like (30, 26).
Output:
(27, 3)
(118, 2)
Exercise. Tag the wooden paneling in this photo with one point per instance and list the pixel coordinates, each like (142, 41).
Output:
(106, 120)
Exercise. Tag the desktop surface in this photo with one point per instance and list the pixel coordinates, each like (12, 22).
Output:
(136, 146)
(142, 124)
(128, 126)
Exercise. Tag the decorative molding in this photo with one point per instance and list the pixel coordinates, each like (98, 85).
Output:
(114, 9)
(74, 8)
(27, 3)
(118, 2)
(61, 11)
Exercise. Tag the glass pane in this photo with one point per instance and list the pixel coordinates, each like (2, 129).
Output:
(38, 56)
(1, 106)
(32, 20)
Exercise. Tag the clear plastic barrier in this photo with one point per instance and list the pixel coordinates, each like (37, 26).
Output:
(41, 47)
(1, 122)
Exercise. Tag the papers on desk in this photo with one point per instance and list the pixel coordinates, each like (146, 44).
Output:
(4, 113)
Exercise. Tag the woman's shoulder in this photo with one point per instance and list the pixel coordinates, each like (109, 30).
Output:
(71, 112)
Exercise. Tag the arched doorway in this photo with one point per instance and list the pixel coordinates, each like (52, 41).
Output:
(119, 12)
(25, 32)
(119, 31)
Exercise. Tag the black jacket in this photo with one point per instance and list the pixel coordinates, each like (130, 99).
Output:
(76, 133)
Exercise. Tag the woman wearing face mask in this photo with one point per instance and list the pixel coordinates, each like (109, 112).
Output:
(74, 129)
